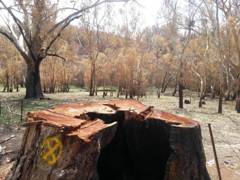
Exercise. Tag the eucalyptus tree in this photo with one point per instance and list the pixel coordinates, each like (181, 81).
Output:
(34, 26)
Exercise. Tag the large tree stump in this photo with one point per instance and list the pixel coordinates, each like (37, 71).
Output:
(110, 140)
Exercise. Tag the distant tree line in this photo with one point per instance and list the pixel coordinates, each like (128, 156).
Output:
(197, 48)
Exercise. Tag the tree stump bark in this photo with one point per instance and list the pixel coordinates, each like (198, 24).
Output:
(109, 140)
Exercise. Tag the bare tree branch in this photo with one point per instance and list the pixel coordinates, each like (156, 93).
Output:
(11, 38)
(21, 29)
(57, 11)
(55, 32)
(66, 21)
(56, 55)
(59, 34)
(72, 16)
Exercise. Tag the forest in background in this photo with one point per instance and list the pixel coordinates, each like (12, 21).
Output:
(196, 48)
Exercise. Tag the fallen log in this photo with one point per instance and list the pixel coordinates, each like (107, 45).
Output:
(109, 140)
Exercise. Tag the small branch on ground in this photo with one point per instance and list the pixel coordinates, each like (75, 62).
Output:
(5, 140)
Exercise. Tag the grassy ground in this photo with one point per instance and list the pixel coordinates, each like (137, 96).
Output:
(226, 126)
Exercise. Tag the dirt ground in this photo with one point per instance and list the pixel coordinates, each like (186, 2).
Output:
(226, 131)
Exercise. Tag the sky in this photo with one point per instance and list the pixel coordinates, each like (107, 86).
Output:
(147, 8)
(150, 10)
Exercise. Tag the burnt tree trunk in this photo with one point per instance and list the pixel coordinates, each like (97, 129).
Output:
(119, 92)
(200, 102)
(164, 82)
(33, 81)
(93, 78)
(202, 91)
(180, 93)
(158, 93)
(165, 87)
(202, 97)
(6, 84)
(238, 104)
(175, 90)
(108, 141)
(220, 103)
(213, 92)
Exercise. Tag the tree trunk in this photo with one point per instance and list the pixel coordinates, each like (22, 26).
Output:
(201, 92)
(106, 140)
(238, 105)
(164, 82)
(165, 87)
(119, 91)
(213, 92)
(6, 86)
(33, 81)
(227, 95)
(131, 95)
(91, 91)
(180, 93)
(17, 88)
(126, 95)
(158, 93)
(92, 78)
(200, 102)
(220, 103)
(104, 92)
(175, 89)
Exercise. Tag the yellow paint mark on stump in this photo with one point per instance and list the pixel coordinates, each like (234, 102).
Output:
(51, 150)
